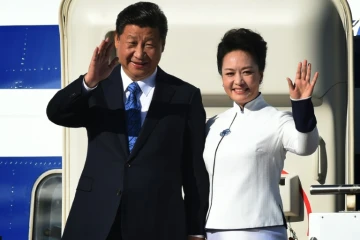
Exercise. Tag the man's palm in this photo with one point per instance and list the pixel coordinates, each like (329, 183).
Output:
(99, 68)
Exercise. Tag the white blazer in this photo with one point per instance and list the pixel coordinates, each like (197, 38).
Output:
(244, 156)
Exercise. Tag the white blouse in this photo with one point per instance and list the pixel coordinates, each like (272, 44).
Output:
(268, 233)
(244, 156)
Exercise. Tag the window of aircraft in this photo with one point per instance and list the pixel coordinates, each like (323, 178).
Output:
(47, 209)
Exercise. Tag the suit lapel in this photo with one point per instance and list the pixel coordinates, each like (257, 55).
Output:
(114, 94)
(162, 96)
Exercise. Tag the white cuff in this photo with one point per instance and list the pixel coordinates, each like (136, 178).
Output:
(300, 99)
(86, 87)
(198, 236)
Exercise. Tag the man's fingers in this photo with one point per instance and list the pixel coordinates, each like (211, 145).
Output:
(108, 51)
(95, 54)
(103, 47)
(113, 63)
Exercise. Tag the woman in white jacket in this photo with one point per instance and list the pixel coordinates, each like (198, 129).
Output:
(246, 145)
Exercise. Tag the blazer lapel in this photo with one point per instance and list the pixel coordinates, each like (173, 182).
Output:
(162, 96)
(114, 94)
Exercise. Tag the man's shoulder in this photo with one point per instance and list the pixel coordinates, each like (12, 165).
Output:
(179, 83)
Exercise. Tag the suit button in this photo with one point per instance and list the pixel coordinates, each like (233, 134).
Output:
(128, 165)
(118, 192)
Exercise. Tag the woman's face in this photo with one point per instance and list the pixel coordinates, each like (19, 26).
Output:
(241, 77)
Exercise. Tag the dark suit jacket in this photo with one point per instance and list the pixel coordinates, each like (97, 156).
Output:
(137, 195)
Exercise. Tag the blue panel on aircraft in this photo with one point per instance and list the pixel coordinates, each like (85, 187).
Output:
(18, 175)
(30, 57)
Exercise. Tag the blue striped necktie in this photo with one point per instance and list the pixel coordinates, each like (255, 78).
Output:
(133, 114)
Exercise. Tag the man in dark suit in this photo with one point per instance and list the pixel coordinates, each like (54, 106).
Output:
(146, 133)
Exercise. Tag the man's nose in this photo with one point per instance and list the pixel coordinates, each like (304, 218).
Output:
(139, 52)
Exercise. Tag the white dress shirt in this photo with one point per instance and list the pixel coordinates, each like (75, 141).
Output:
(245, 164)
(146, 85)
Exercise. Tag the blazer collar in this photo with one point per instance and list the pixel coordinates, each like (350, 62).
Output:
(162, 96)
(115, 101)
(114, 95)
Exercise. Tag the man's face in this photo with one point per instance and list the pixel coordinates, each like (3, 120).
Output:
(139, 50)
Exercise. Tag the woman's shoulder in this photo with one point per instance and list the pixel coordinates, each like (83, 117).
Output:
(223, 115)
(279, 117)
(217, 119)
(276, 112)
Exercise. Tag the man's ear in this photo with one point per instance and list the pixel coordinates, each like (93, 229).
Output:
(163, 45)
(116, 40)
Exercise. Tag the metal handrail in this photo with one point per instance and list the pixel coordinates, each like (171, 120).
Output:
(351, 189)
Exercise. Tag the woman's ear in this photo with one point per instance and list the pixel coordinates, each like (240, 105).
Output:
(261, 77)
